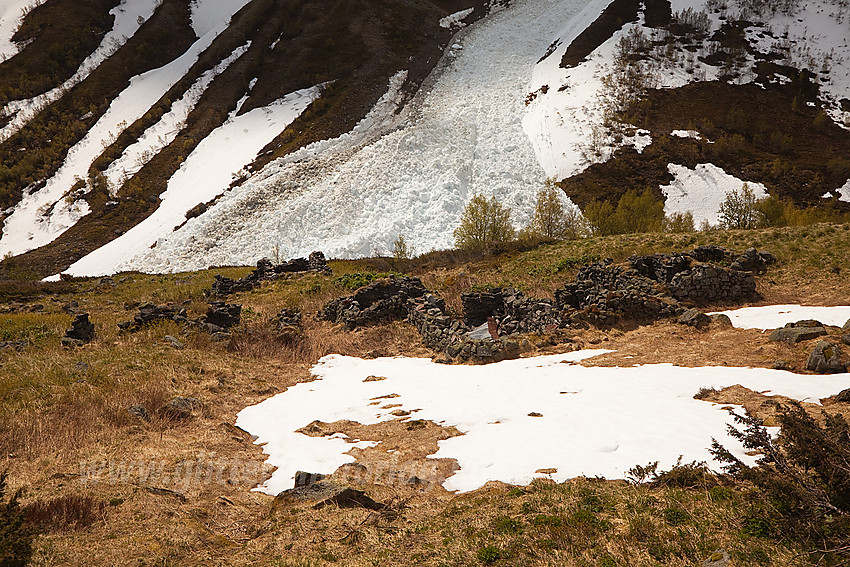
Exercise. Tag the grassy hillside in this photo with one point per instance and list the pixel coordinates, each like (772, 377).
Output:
(160, 496)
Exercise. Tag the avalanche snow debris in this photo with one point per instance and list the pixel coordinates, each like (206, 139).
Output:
(462, 136)
(206, 173)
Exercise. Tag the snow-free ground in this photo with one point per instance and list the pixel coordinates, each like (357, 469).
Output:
(517, 416)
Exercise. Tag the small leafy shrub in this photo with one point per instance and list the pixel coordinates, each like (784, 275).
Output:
(551, 219)
(679, 222)
(401, 249)
(675, 516)
(635, 212)
(489, 554)
(575, 262)
(739, 209)
(506, 525)
(483, 223)
(756, 526)
(803, 477)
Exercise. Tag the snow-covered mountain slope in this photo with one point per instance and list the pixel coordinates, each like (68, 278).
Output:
(93, 155)
(461, 136)
(280, 127)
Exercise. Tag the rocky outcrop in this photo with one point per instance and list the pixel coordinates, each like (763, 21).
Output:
(266, 270)
(694, 318)
(221, 316)
(652, 286)
(288, 324)
(383, 300)
(81, 331)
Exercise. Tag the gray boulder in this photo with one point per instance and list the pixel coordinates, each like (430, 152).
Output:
(322, 493)
(794, 335)
(843, 396)
(173, 341)
(721, 321)
(826, 359)
(695, 318)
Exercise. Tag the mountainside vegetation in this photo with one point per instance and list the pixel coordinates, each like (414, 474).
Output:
(96, 470)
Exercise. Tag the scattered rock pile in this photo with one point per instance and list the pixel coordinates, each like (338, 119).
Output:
(383, 300)
(288, 324)
(80, 333)
(150, 313)
(645, 288)
(219, 318)
(652, 286)
(266, 270)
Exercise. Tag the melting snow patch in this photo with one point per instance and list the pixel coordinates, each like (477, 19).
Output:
(11, 16)
(844, 192)
(775, 316)
(454, 20)
(207, 172)
(613, 419)
(702, 190)
(686, 134)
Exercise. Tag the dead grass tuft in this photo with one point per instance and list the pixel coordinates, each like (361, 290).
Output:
(66, 513)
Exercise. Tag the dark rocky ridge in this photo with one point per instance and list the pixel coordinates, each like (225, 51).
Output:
(643, 289)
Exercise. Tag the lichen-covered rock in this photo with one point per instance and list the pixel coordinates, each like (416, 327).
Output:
(826, 359)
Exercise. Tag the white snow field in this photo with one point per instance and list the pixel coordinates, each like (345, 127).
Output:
(166, 129)
(702, 190)
(42, 216)
(775, 316)
(129, 16)
(595, 420)
(11, 15)
(462, 136)
(207, 171)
